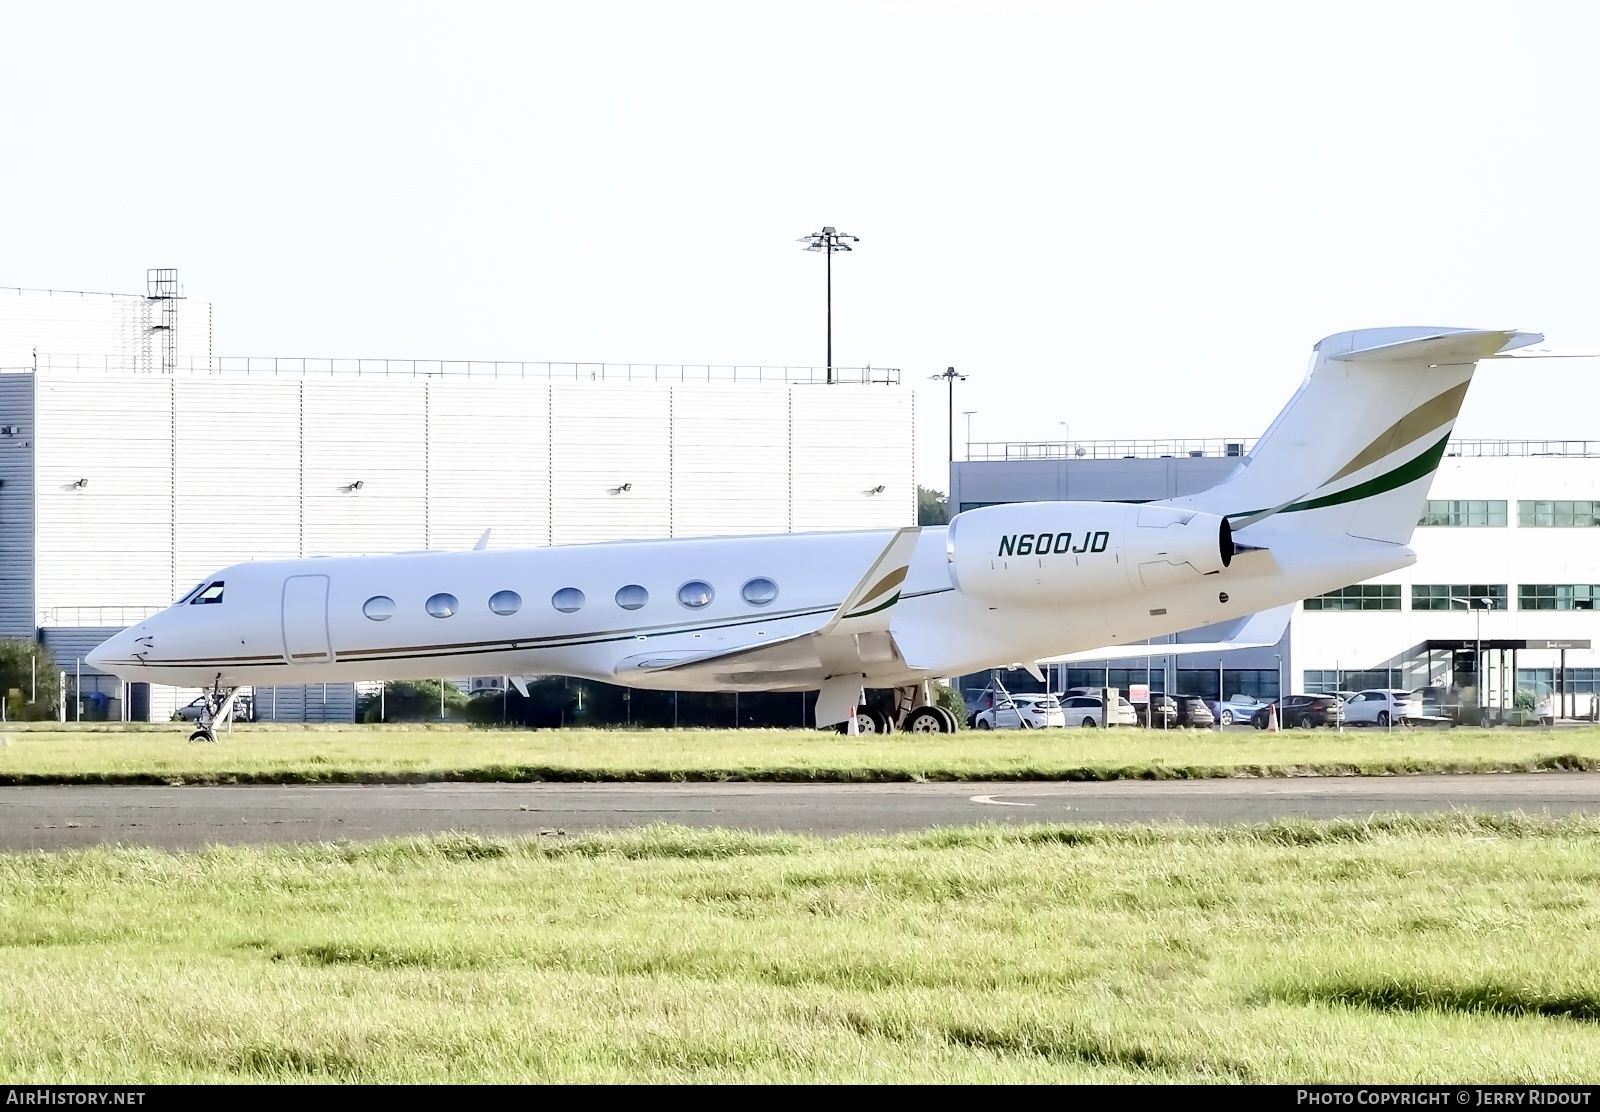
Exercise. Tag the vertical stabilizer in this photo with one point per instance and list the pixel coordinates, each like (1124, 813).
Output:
(1355, 449)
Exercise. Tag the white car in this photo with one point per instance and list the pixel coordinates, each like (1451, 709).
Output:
(1021, 712)
(1087, 710)
(1379, 707)
(1240, 708)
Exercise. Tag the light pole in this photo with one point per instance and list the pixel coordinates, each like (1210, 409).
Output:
(829, 241)
(967, 413)
(950, 377)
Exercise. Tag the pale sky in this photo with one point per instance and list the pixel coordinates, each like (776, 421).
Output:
(1134, 218)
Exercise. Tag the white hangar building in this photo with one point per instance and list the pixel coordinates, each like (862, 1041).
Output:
(134, 462)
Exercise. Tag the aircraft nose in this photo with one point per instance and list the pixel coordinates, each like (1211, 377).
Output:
(115, 649)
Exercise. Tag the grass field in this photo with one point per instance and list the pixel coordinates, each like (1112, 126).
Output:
(43, 753)
(1453, 948)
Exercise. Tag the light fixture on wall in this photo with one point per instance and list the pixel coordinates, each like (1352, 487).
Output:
(353, 487)
(623, 489)
(879, 489)
(81, 483)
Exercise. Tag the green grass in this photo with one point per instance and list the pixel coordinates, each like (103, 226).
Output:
(48, 753)
(1438, 949)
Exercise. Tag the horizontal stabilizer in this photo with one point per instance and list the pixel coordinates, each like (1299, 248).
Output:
(1447, 347)
(1259, 631)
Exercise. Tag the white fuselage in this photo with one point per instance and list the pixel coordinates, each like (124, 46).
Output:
(303, 621)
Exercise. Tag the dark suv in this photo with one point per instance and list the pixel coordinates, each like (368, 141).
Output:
(1165, 712)
(1303, 711)
(1192, 711)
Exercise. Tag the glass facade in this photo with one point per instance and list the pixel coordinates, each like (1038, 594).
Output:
(1558, 515)
(1326, 681)
(1121, 678)
(1454, 596)
(1541, 681)
(1259, 682)
(1466, 512)
(1557, 596)
(1361, 596)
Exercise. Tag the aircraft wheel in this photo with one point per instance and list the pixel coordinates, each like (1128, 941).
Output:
(203, 735)
(949, 717)
(881, 722)
(926, 720)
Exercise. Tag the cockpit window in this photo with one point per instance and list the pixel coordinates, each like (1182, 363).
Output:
(212, 592)
(195, 590)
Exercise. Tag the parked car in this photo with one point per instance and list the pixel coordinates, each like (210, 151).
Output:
(1165, 710)
(1192, 711)
(1240, 708)
(1380, 707)
(1021, 712)
(241, 709)
(1435, 704)
(1089, 711)
(1302, 711)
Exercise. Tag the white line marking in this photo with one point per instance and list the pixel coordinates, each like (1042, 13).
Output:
(993, 802)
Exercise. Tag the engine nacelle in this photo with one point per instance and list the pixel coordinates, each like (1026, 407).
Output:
(1067, 552)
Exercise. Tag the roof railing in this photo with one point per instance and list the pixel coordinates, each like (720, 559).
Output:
(299, 367)
(999, 450)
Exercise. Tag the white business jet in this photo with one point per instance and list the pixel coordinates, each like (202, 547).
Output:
(1328, 497)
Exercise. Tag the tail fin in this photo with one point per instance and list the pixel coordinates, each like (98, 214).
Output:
(1356, 447)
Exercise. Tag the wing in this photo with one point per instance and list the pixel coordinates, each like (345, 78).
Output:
(854, 636)
(1258, 631)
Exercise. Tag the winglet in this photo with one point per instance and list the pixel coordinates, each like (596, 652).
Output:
(878, 590)
(483, 541)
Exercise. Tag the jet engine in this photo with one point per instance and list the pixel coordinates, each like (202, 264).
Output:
(1060, 553)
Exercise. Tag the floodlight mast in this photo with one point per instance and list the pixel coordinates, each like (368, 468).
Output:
(828, 241)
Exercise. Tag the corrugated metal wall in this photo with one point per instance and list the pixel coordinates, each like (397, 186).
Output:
(488, 463)
(316, 702)
(186, 474)
(16, 506)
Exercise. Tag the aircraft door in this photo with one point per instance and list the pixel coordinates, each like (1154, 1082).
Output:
(305, 620)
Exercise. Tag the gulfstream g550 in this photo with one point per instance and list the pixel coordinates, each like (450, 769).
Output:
(1329, 496)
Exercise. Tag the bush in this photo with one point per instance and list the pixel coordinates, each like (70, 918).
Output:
(950, 699)
(18, 659)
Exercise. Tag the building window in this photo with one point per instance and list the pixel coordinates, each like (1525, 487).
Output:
(567, 600)
(1122, 679)
(965, 506)
(1262, 683)
(442, 605)
(1326, 681)
(505, 603)
(1557, 596)
(1473, 512)
(380, 608)
(1458, 596)
(632, 597)
(1558, 515)
(695, 594)
(760, 591)
(1361, 596)
(1541, 681)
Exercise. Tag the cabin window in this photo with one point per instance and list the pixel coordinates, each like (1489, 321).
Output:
(505, 602)
(380, 608)
(208, 595)
(567, 600)
(442, 605)
(632, 597)
(759, 591)
(696, 593)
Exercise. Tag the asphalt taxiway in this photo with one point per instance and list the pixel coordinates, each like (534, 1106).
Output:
(66, 817)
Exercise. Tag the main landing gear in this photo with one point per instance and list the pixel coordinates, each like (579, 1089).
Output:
(218, 708)
(915, 713)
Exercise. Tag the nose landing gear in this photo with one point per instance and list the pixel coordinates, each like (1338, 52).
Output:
(218, 708)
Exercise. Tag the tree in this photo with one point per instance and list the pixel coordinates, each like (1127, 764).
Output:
(20, 661)
(932, 506)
